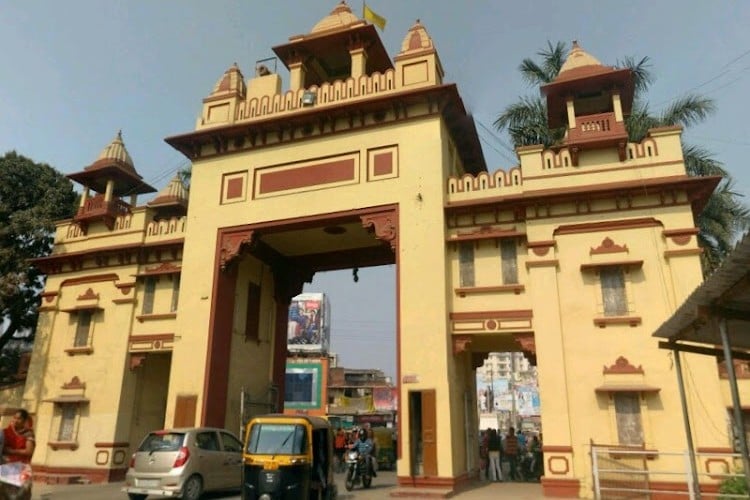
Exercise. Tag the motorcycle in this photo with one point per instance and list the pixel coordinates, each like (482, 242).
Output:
(358, 470)
(531, 466)
(15, 481)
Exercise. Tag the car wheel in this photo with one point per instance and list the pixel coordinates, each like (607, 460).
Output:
(193, 488)
(137, 496)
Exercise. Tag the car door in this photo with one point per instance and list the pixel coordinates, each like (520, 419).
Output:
(232, 448)
(210, 458)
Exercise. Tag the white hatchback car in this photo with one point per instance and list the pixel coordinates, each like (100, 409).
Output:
(185, 463)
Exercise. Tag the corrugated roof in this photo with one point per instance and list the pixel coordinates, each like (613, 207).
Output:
(724, 294)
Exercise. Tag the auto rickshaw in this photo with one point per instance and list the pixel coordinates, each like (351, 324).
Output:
(288, 457)
(386, 454)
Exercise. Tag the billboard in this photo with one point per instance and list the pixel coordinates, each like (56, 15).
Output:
(385, 398)
(309, 327)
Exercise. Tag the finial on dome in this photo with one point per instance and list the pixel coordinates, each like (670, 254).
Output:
(575, 44)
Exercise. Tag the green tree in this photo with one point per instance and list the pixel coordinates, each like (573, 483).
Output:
(32, 196)
(724, 215)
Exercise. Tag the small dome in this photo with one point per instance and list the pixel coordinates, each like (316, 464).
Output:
(339, 18)
(231, 81)
(173, 194)
(578, 58)
(416, 40)
(116, 151)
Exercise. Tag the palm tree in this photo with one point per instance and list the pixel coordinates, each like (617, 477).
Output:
(724, 215)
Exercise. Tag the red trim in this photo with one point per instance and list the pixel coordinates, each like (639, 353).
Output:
(117, 444)
(95, 278)
(618, 320)
(63, 445)
(272, 180)
(566, 488)
(510, 314)
(557, 449)
(590, 227)
(153, 317)
(472, 290)
(622, 365)
(54, 474)
(79, 350)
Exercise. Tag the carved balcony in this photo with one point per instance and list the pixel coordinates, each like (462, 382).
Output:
(97, 209)
(597, 131)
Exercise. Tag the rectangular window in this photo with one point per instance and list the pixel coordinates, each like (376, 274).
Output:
(628, 414)
(509, 260)
(466, 263)
(149, 289)
(175, 292)
(613, 291)
(83, 329)
(68, 413)
(299, 388)
(252, 315)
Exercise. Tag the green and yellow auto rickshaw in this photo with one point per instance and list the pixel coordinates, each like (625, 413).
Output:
(288, 457)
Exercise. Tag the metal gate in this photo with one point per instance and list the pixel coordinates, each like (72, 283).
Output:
(258, 404)
(619, 472)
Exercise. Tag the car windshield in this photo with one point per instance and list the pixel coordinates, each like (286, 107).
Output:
(277, 439)
(162, 441)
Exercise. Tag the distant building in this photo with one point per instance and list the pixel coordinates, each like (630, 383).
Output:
(361, 396)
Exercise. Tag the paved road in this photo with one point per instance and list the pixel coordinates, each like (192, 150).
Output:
(381, 488)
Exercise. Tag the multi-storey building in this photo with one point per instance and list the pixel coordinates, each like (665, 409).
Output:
(164, 314)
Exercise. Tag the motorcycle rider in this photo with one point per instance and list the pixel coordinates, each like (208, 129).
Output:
(364, 447)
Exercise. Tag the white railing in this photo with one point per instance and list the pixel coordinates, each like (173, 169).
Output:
(615, 475)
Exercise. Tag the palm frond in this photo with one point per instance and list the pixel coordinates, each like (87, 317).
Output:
(642, 76)
(639, 121)
(687, 110)
(553, 58)
(700, 162)
(532, 72)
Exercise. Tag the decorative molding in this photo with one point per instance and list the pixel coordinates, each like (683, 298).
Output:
(231, 245)
(541, 248)
(542, 263)
(682, 252)
(129, 300)
(385, 226)
(75, 383)
(474, 290)
(563, 471)
(154, 317)
(485, 232)
(74, 351)
(591, 227)
(628, 264)
(94, 278)
(508, 314)
(49, 296)
(136, 360)
(116, 444)
(680, 236)
(608, 246)
(88, 295)
(163, 268)
(557, 449)
(461, 343)
(617, 320)
(151, 342)
(125, 288)
(63, 445)
(622, 366)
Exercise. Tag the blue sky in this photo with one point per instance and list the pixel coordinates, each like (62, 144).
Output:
(76, 72)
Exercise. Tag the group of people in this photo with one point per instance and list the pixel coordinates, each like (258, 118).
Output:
(494, 449)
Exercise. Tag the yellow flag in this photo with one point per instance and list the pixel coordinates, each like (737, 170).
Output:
(375, 19)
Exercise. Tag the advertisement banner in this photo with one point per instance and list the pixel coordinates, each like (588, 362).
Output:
(308, 327)
(385, 398)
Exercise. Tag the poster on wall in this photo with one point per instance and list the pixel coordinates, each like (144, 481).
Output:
(385, 398)
(308, 328)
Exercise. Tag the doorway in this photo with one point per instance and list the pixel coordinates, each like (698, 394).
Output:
(422, 428)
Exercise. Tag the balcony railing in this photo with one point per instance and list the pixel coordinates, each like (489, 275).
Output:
(593, 128)
(97, 209)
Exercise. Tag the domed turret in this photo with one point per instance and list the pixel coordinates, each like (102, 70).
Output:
(341, 17)
(231, 82)
(171, 201)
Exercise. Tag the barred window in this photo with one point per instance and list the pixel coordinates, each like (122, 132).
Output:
(68, 413)
(613, 291)
(466, 263)
(83, 329)
(149, 289)
(509, 261)
(628, 414)
(175, 292)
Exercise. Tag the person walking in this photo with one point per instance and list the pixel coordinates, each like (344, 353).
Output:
(494, 447)
(511, 452)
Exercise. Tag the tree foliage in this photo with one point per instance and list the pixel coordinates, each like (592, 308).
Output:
(32, 196)
(724, 215)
